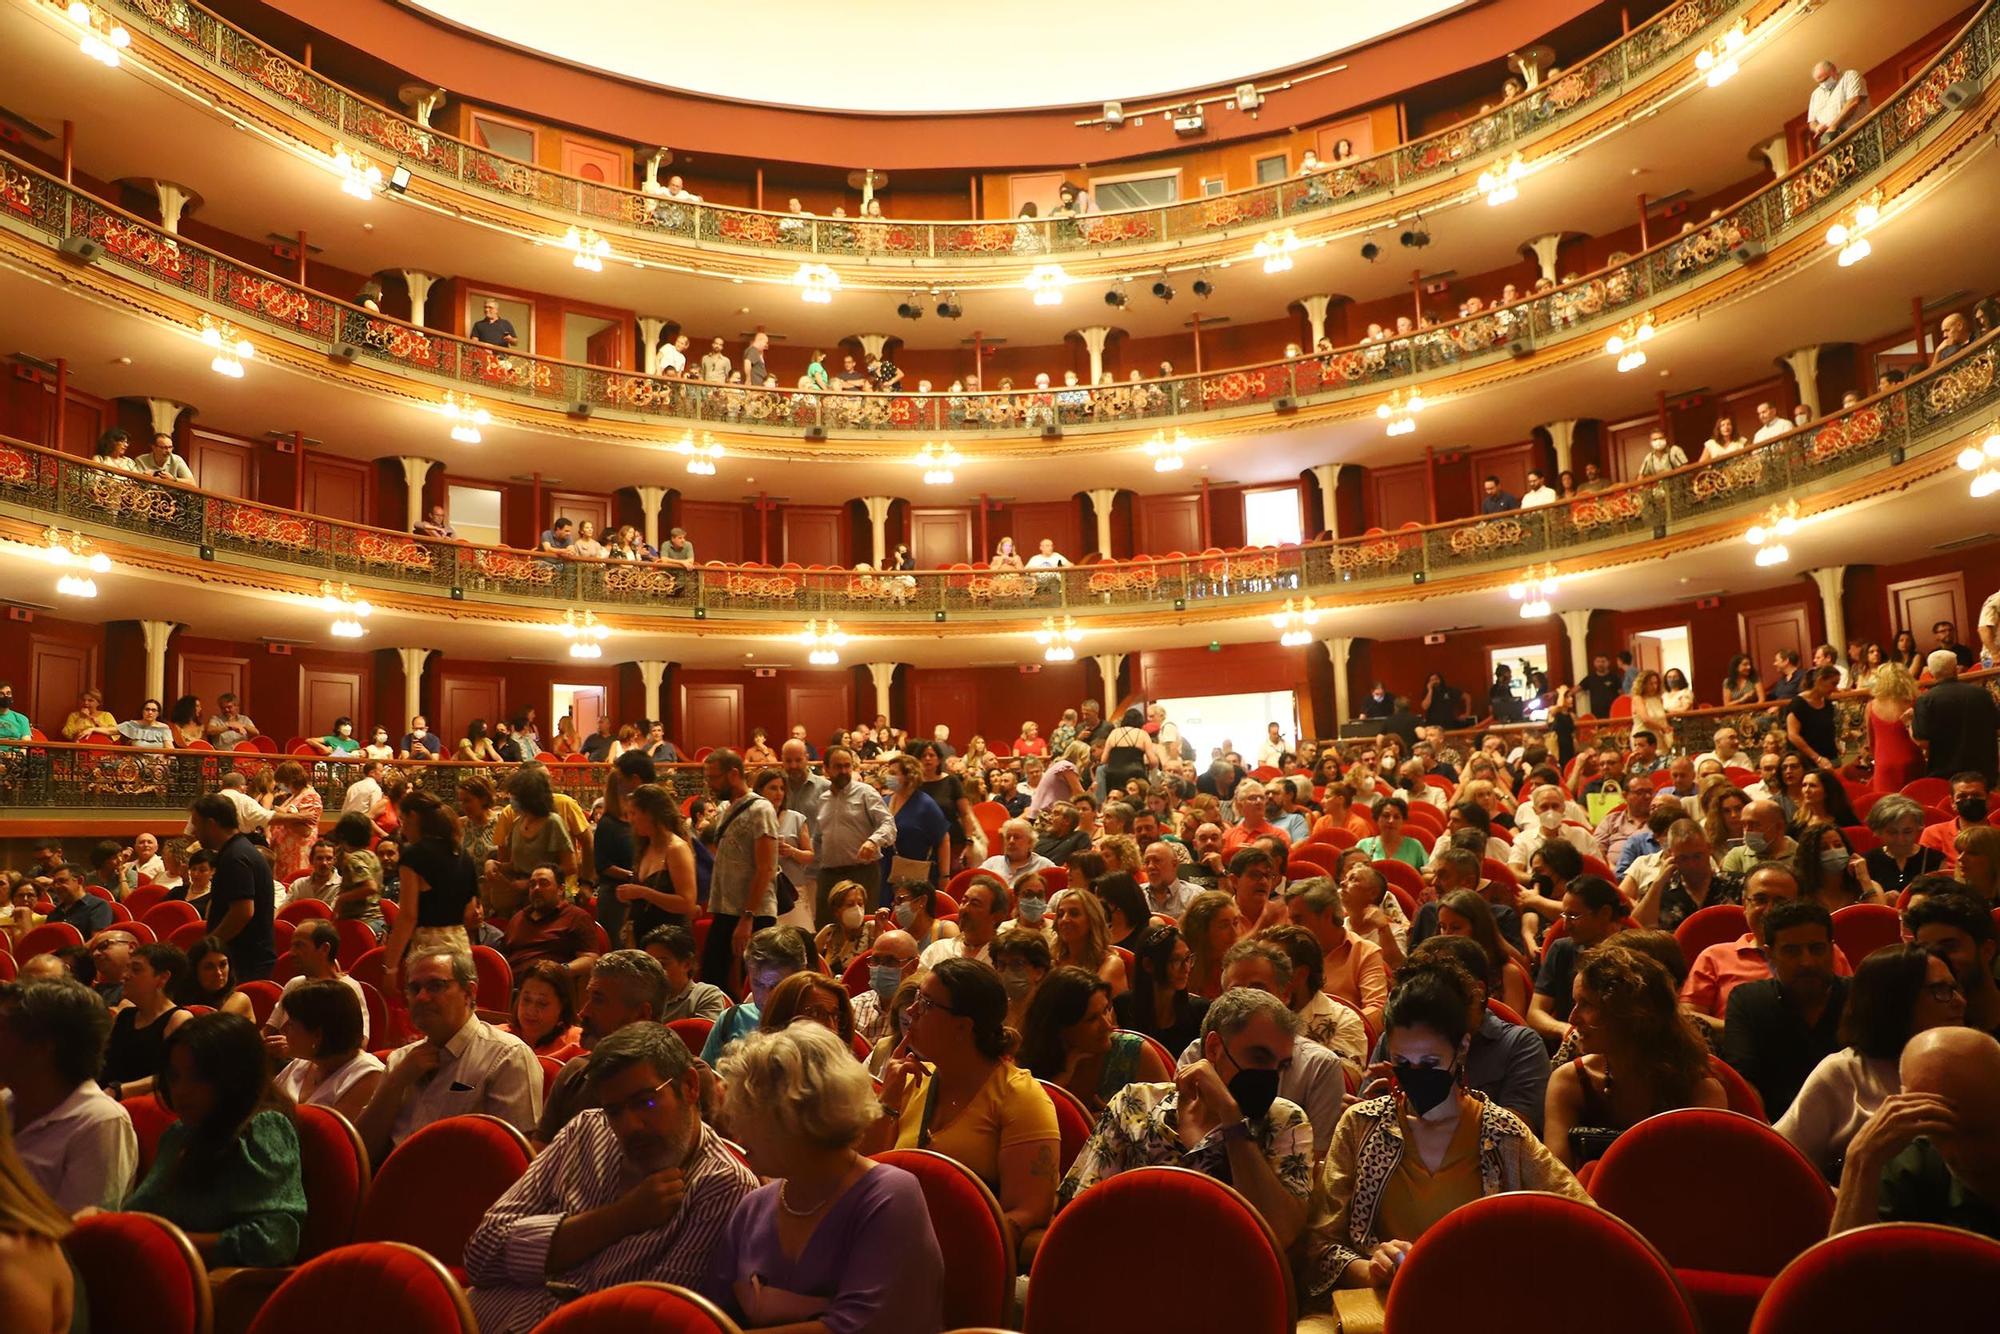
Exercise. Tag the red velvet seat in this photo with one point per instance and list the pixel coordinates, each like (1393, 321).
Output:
(1889, 1276)
(972, 1232)
(382, 1025)
(1716, 924)
(551, 1067)
(263, 995)
(855, 976)
(150, 1119)
(47, 939)
(1323, 858)
(145, 897)
(1330, 834)
(1449, 1280)
(1927, 791)
(693, 1031)
(8, 969)
(356, 939)
(381, 1285)
(481, 1156)
(165, 917)
(657, 1308)
(302, 910)
(1742, 1094)
(496, 978)
(187, 933)
(1073, 1122)
(1157, 1047)
(1115, 1228)
(140, 1272)
(1860, 929)
(1401, 875)
(334, 1165)
(1727, 1200)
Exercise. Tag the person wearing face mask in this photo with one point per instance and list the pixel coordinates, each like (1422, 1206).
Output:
(1547, 806)
(13, 726)
(339, 741)
(1220, 1115)
(1023, 959)
(379, 746)
(1764, 839)
(1031, 904)
(850, 929)
(1403, 1160)
(923, 833)
(1968, 803)
(892, 959)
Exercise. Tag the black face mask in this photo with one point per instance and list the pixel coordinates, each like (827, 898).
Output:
(1972, 810)
(1254, 1090)
(1425, 1086)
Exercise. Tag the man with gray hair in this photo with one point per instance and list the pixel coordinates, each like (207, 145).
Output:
(1838, 98)
(1017, 855)
(1355, 972)
(635, 1188)
(1222, 1114)
(76, 1142)
(1957, 720)
(625, 987)
(460, 1066)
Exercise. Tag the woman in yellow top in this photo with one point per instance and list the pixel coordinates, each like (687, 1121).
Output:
(951, 1088)
(1401, 1161)
(89, 716)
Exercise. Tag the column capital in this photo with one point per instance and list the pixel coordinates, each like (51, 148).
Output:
(652, 674)
(1328, 476)
(1315, 307)
(877, 509)
(1094, 337)
(413, 681)
(175, 201)
(156, 634)
(1101, 501)
(650, 328)
(1576, 629)
(1338, 649)
(1543, 250)
(1832, 583)
(1562, 438)
(872, 343)
(165, 413)
(883, 674)
(1774, 153)
(422, 99)
(1803, 363)
(419, 284)
(1107, 668)
(415, 471)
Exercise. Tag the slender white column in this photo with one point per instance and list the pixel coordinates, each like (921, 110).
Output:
(650, 500)
(649, 343)
(413, 683)
(1101, 501)
(1775, 152)
(157, 634)
(878, 525)
(1832, 582)
(1543, 248)
(652, 675)
(883, 674)
(1338, 649)
(1562, 438)
(1094, 339)
(165, 412)
(1576, 628)
(1328, 476)
(1316, 308)
(174, 201)
(415, 470)
(1803, 363)
(420, 284)
(873, 343)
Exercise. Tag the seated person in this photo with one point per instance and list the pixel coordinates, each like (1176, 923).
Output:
(892, 958)
(1071, 1038)
(1721, 968)
(481, 1069)
(1333, 1024)
(323, 1032)
(1220, 1115)
(1506, 1062)
(544, 1013)
(316, 952)
(1640, 1056)
(625, 987)
(76, 1143)
(144, 1020)
(1775, 1031)
(1405, 1159)
(835, 1241)
(1590, 909)
(1159, 1003)
(227, 1171)
(1931, 1154)
(1354, 968)
(550, 927)
(636, 1188)
(773, 955)
(673, 948)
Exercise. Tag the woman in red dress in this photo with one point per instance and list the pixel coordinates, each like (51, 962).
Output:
(1897, 756)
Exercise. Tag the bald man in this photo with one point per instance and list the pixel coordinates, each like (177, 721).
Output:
(1931, 1154)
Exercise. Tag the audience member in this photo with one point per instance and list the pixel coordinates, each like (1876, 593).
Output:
(1931, 1153)
(673, 948)
(324, 1032)
(242, 897)
(76, 1142)
(770, 956)
(1956, 720)
(210, 980)
(141, 1025)
(1590, 909)
(1776, 1030)
(1960, 930)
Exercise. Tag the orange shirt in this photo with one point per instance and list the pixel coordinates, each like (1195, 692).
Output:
(1357, 974)
(1353, 824)
(1944, 837)
(1237, 835)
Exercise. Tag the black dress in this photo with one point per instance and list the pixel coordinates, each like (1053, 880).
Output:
(134, 1052)
(1175, 1037)
(450, 881)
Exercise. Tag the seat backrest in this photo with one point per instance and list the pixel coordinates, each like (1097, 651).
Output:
(150, 1119)
(186, 934)
(144, 897)
(164, 917)
(657, 1308)
(481, 1156)
(1884, 1276)
(47, 939)
(496, 978)
(972, 1232)
(551, 1067)
(1113, 1228)
(1401, 875)
(299, 910)
(1448, 1279)
(140, 1272)
(1713, 925)
(855, 976)
(1742, 1094)
(1331, 835)
(1073, 1121)
(693, 1031)
(263, 996)
(1860, 929)
(356, 939)
(334, 1165)
(1322, 857)
(1715, 1190)
(375, 1285)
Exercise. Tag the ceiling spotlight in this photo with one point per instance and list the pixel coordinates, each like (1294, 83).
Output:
(399, 179)
(1163, 290)
(1416, 237)
(1204, 288)
(911, 307)
(948, 308)
(1370, 251)
(1115, 297)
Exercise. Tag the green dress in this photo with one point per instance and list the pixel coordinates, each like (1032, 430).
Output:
(254, 1198)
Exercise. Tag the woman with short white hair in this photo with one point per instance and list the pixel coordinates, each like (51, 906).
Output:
(836, 1239)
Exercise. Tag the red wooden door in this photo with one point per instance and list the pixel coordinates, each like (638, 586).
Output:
(578, 506)
(951, 701)
(1169, 523)
(227, 467)
(591, 163)
(336, 489)
(210, 677)
(1767, 631)
(940, 537)
(822, 705)
(1918, 604)
(606, 347)
(327, 693)
(815, 534)
(1397, 496)
(1056, 520)
(463, 697)
(715, 528)
(60, 672)
(711, 715)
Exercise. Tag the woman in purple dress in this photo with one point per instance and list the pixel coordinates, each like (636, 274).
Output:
(836, 1238)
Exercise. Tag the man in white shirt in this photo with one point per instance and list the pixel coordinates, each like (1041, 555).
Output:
(365, 791)
(161, 461)
(1046, 557)
(320, 881)
(1727, 752)
(76, 1142)
(1769, 424)
(1547, 806)
(1838, 97)
(1166, 893)
(1539, 492)
(893, 958)
(1017, 856)
(985, 905)
(674, 356)
(316, 947)
(1989, 630)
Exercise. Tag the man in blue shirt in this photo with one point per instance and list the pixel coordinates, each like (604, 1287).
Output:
(73, 906)
(242, 896)
(420, 743)
(13, 726)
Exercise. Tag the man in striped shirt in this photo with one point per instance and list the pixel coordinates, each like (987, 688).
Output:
(635, 1189)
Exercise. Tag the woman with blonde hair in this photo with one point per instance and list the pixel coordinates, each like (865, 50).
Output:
(41, 1299)
(1083, 938)
(1649, 709)
(1979, 861)
(1210, 924)
(1892, 697)
(850, 929)
(1120, 853)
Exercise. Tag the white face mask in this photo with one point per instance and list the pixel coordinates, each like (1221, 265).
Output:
(1551, 819)
(850, 917)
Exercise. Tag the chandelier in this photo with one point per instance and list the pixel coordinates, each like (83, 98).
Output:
(465, 416)
(1295, 622)
(585, 633)
(358, 176)
(1046, 283)
(938, 459)
(1533, 591)
(1718, 60)
(1276, 250)
(825, 643)
(231, 348)
(1166, 452)
(700, 456)
(71, 553)
(1849, 234)
(816, 283)
(1779, 523)
(589, 250)
(1502, 186)
(347, 609)
(1983, 462)
(1400, 412)
(1058, 639)
(102, 39)
(1626, 344)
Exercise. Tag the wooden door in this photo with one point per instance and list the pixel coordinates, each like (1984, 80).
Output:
(59, 673)
(336, 488)
(590, 162)
(1397, 496)
(1770, 629)
(327, 693)
(815, 535)
(1918, 604)
(84, 419)
(1056, 520)
(1168, 523)
(461, 697)
(1510, 465)
(1359, 131)
(951, 701)
(940, 537)
(224, 466)
(711, 715)
(1646, 654)
(606, 347)
(716, 529)
(209, 677)
(1037, 188)
(589, 704)
(821, 704)
(578, 507)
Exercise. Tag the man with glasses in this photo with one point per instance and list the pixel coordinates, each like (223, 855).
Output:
(625, 987)
(1590, 909)
(635, 1189)
(774, 954)
(461, 1066)
(893, 958)
(1221, 1115)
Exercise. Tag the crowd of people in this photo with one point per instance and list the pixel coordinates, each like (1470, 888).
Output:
(1362, 983)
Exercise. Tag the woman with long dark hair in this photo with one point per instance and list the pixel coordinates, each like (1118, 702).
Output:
(209, 980)
(662, 889)
(1072, 1039)
(1159, 1003)
(436, 885)
(185, 721)
(1740, 684)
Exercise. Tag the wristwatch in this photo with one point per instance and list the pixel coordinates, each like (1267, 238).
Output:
(1236, 1130)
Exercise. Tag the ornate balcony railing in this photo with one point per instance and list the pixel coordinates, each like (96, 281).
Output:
(1918, 416)
(284, 85)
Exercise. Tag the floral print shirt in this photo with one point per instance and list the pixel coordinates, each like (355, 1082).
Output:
(1140, 1128)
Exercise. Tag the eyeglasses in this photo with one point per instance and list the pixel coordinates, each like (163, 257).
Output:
(922, 1002)
(434, 986)
(639, 1104)
(1943, 992)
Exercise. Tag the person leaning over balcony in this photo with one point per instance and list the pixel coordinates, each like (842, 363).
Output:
(1838, 98)
(161, 461)
(673, 356)
(112, 449)
(678, 550)
(1770, 424)
(1661, 455)
(1955, 336)
(1538, 493)
(1496, 500)
(435, 524)
(147, 731)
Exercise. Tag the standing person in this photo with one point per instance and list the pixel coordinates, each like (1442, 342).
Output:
(437, 885)
(294, 822)
(1956, 721)
(1898, 759)
(242, 898)
(948, 792)
(854, 827)
(660, 888)
(795, 841)
(923, 832)
(741, 891)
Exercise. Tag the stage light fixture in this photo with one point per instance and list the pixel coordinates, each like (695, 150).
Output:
(1163, 290)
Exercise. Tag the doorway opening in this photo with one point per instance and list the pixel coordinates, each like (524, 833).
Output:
(1212, 724)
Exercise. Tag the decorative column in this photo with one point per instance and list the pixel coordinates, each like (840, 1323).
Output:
(1094, 339)
(423, 100)
(1576, 629)
(413, 682)
(1315, 308)
(878, 525)
(1832, 581)
(415, 470)
(1803, 363)
(652, 675)
(659, 157)
(1328, 475)
(1107, 667)
(1775, 152)
(872, 344)
(1562, 439)
(1101, 501)
(1338, 647)
(883, 674)
(157, 633)
(649, 343)
(174, 201)
(165, 412)
(420, 284)
(1543, 248)
(650, 500)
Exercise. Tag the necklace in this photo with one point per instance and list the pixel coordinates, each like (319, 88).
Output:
(786, 1204)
